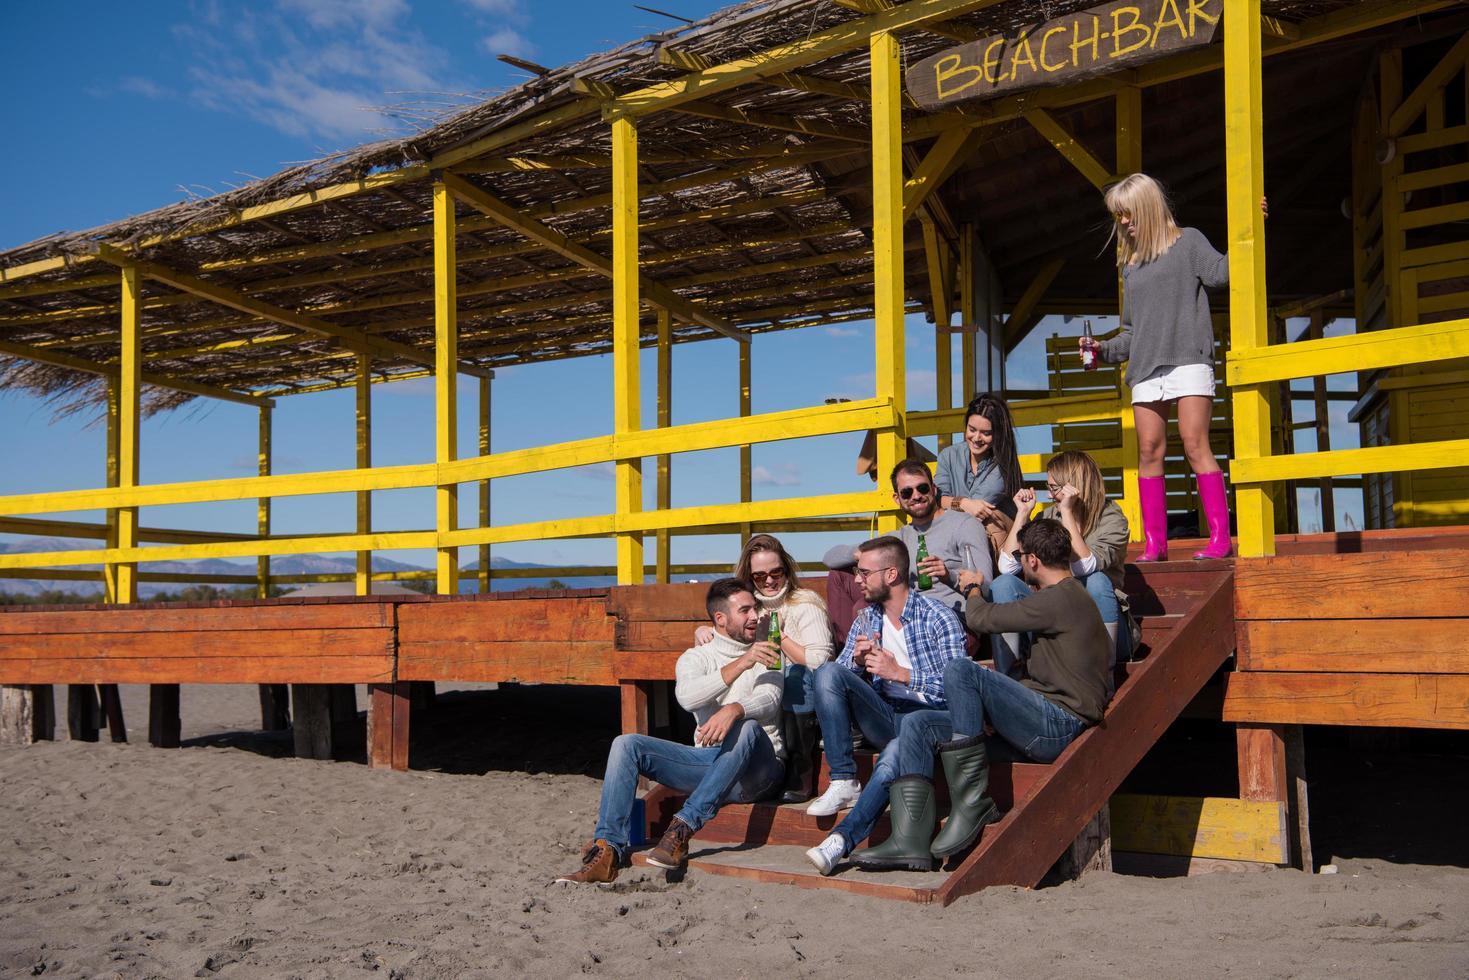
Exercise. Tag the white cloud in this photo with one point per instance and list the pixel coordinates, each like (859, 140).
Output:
(843, 332)
(507, 40)
(784, 475)
(145, 87)
(509, 9)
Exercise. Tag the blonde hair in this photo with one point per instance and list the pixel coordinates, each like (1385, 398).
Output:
(1143, 200)
(1080, 470)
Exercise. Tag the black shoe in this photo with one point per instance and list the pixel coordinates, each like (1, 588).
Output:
(800, 732)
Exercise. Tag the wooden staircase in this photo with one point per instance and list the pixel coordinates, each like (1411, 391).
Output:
(1187, 612)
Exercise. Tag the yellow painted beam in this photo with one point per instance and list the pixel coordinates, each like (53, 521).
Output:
(946, 155)
(1352, 352)
(791, 56)
(73, 363)
(446, 381)
(627, 281)
(40, 527)
(1069, 147)
(1249, 319)
(1022, 319)
(114, 473)
(264, 461)
(486, 392)
(1207, 827)
(362, 577)
(941, 289)
(563, 246)
(664, 489)
(1413, 106)
(1090, 407)
(1409, 457)
(746, 481)
(887, 248)
(129, 423)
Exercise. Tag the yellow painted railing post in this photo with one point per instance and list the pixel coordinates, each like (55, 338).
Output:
(1129, 161)
(363, 578)
(1249, 323)
(446, 360)
(665, 419)
(109, 570)
(485, 397)
(262, 505)
(129, 380)
(887, 251)
(968, 312)
(746, 484)
(626, 347)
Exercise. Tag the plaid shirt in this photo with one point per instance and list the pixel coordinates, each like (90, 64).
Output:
(934, 636)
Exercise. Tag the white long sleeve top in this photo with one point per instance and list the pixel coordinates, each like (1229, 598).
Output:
(701, 690)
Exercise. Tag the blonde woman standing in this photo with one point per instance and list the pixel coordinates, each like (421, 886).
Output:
(805, 644)
(1167, 338)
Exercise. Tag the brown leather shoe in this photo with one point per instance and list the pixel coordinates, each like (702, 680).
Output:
(672, 851)
(598, 864)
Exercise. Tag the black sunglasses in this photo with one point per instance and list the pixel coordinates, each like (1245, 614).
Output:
(923, 488)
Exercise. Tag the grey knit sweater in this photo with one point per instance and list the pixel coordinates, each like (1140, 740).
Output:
(1165, 310)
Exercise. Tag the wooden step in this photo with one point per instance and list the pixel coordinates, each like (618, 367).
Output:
(787, 865)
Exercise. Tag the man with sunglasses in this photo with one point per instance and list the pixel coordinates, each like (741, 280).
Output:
(892, 665)
(956, 542)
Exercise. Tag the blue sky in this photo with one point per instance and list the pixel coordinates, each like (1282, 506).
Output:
(135, 106)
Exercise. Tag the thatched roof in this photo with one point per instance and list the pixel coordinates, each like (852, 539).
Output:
(735, 196)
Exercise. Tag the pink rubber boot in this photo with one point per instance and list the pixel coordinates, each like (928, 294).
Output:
(1155, 519)
(1216, 512)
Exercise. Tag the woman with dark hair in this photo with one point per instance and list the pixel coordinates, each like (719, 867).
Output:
(805, 644)
(981, 475)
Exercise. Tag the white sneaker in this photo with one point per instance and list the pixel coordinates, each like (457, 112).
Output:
(826, 854)
(840, 795)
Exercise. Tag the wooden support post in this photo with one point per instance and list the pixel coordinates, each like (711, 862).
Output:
(311, 714)
(626, 339)
(362, 579)
(1272, 770)
(635, 707)
(387, 725)
(82, 716)
(664, 488)
(111, 700)
(887, 252)
(27, 714)
(968, 310)
(348, 728)
(164, 726)
(446, 360)
(485, 402)
(275, 699)
(1091, 851)
(746, 478)
(129, 419)
(1323, 426)
(941, 291)
(1249, 321)
(1129, 160)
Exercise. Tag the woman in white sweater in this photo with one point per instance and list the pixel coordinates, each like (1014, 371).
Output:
(805, 644)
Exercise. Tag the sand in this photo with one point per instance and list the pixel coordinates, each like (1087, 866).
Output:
(223, 859)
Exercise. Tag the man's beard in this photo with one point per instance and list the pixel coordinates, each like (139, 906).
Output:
(1029, 577)
(928, 513)
(879, 593)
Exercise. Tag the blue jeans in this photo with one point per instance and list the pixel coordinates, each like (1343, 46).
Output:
(743, 769)
(1011, 588)
(800, 689)
(1036, 726)
(843, 697)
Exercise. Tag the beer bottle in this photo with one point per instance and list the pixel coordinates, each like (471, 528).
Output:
(1088, 354)
(925, 581)
(774, 637)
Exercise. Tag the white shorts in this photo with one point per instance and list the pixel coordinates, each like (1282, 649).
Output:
(1169, 382)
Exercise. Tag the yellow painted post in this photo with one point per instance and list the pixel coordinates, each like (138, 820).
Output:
(746, 485)
(887, 251)
(129, 381)
(109, 570)
(665, 419)
(363, 578)
(262, 506)
(1129, 161)
(968, 312)
(485, 393)
(1249, 322)
(446, 359)
(626, 348)
(940, 287)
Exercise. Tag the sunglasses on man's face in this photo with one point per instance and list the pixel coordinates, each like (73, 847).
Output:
(774, 575)
(922, 489)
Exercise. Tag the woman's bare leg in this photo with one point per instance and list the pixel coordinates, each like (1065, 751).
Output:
(1151, 421)
(1194, 415)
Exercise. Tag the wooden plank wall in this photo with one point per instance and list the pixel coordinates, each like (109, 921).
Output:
(1374, 638)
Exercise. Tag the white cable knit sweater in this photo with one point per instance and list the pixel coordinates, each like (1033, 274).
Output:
(803, 618)
(701, 690)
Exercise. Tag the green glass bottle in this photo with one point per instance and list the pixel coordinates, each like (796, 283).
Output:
(774, 637)
(925, 581)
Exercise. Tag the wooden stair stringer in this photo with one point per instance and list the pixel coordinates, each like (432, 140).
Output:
(1022, 847)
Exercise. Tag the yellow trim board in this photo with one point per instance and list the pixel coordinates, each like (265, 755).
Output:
(1201, 827)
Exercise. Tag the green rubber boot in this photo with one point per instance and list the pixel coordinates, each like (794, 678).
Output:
(911, 809)
(967, 769)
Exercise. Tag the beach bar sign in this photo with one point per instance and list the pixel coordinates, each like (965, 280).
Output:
(1077, 46)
